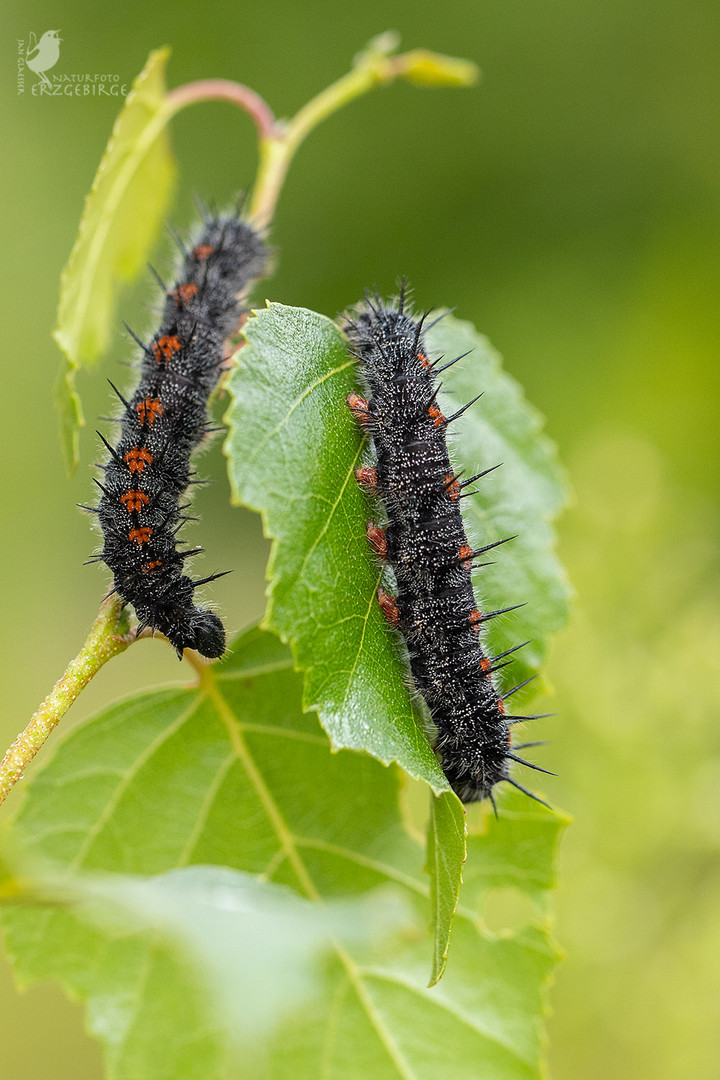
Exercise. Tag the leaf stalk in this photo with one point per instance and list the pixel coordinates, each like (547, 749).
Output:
(373, 67)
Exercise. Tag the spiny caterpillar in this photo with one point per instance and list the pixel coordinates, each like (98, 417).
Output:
(148, 469)
(425, 544)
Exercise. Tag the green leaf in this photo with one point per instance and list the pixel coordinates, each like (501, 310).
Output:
(422, 67)
(70, 415)
(125, 206)
(233, 773)
(446, 848)
(221, 922)
(425, 68)
(292, 449)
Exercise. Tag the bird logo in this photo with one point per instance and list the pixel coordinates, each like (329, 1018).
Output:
(43, 54)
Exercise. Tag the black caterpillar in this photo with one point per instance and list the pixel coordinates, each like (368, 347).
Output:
(148, 470)
(425, 544)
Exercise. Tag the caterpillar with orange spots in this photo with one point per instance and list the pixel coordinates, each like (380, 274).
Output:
(148, 470)
(425, 544)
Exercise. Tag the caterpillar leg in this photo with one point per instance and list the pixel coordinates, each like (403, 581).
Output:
(377, 539)
(359, 407)
(366, 476)
(389, 608)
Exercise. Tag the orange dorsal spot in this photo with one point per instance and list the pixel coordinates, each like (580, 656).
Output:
(376, 536)
(166, 346)
(475, 617)
(153, 565)
(358, 407)
(133, 501)
(435, 415)
(465, 555)
(485, 664)
(501, 707)
(137, 458)
(453, 487)
(140, 536)
(202, 251)
(423, 360)
(366, 475)
(389, 607)
(184, 293)
(148, 410)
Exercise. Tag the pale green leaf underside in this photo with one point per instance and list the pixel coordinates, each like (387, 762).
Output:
(237, 775)
(446, 851)
(120, 220)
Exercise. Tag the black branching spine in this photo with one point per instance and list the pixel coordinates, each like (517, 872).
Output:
(425, 544)
(148, 469)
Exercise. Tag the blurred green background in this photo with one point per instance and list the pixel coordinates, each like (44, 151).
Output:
(570, 207)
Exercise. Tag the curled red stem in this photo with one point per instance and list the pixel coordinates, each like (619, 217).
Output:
(227, 90)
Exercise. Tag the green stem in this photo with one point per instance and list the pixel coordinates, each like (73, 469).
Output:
(278, 141)
(106, 639)
(277, 151)
(374, 67)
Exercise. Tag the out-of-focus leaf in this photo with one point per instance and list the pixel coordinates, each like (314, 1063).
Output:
(425, 68)
(531, 835)
(233, 773)
(70, 415)
(120, 220)
(222, 922)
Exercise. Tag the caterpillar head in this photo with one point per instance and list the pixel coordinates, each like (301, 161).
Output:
(201, 630)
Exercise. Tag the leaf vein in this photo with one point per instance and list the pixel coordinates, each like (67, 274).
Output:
(127, 779)
(298, 402)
